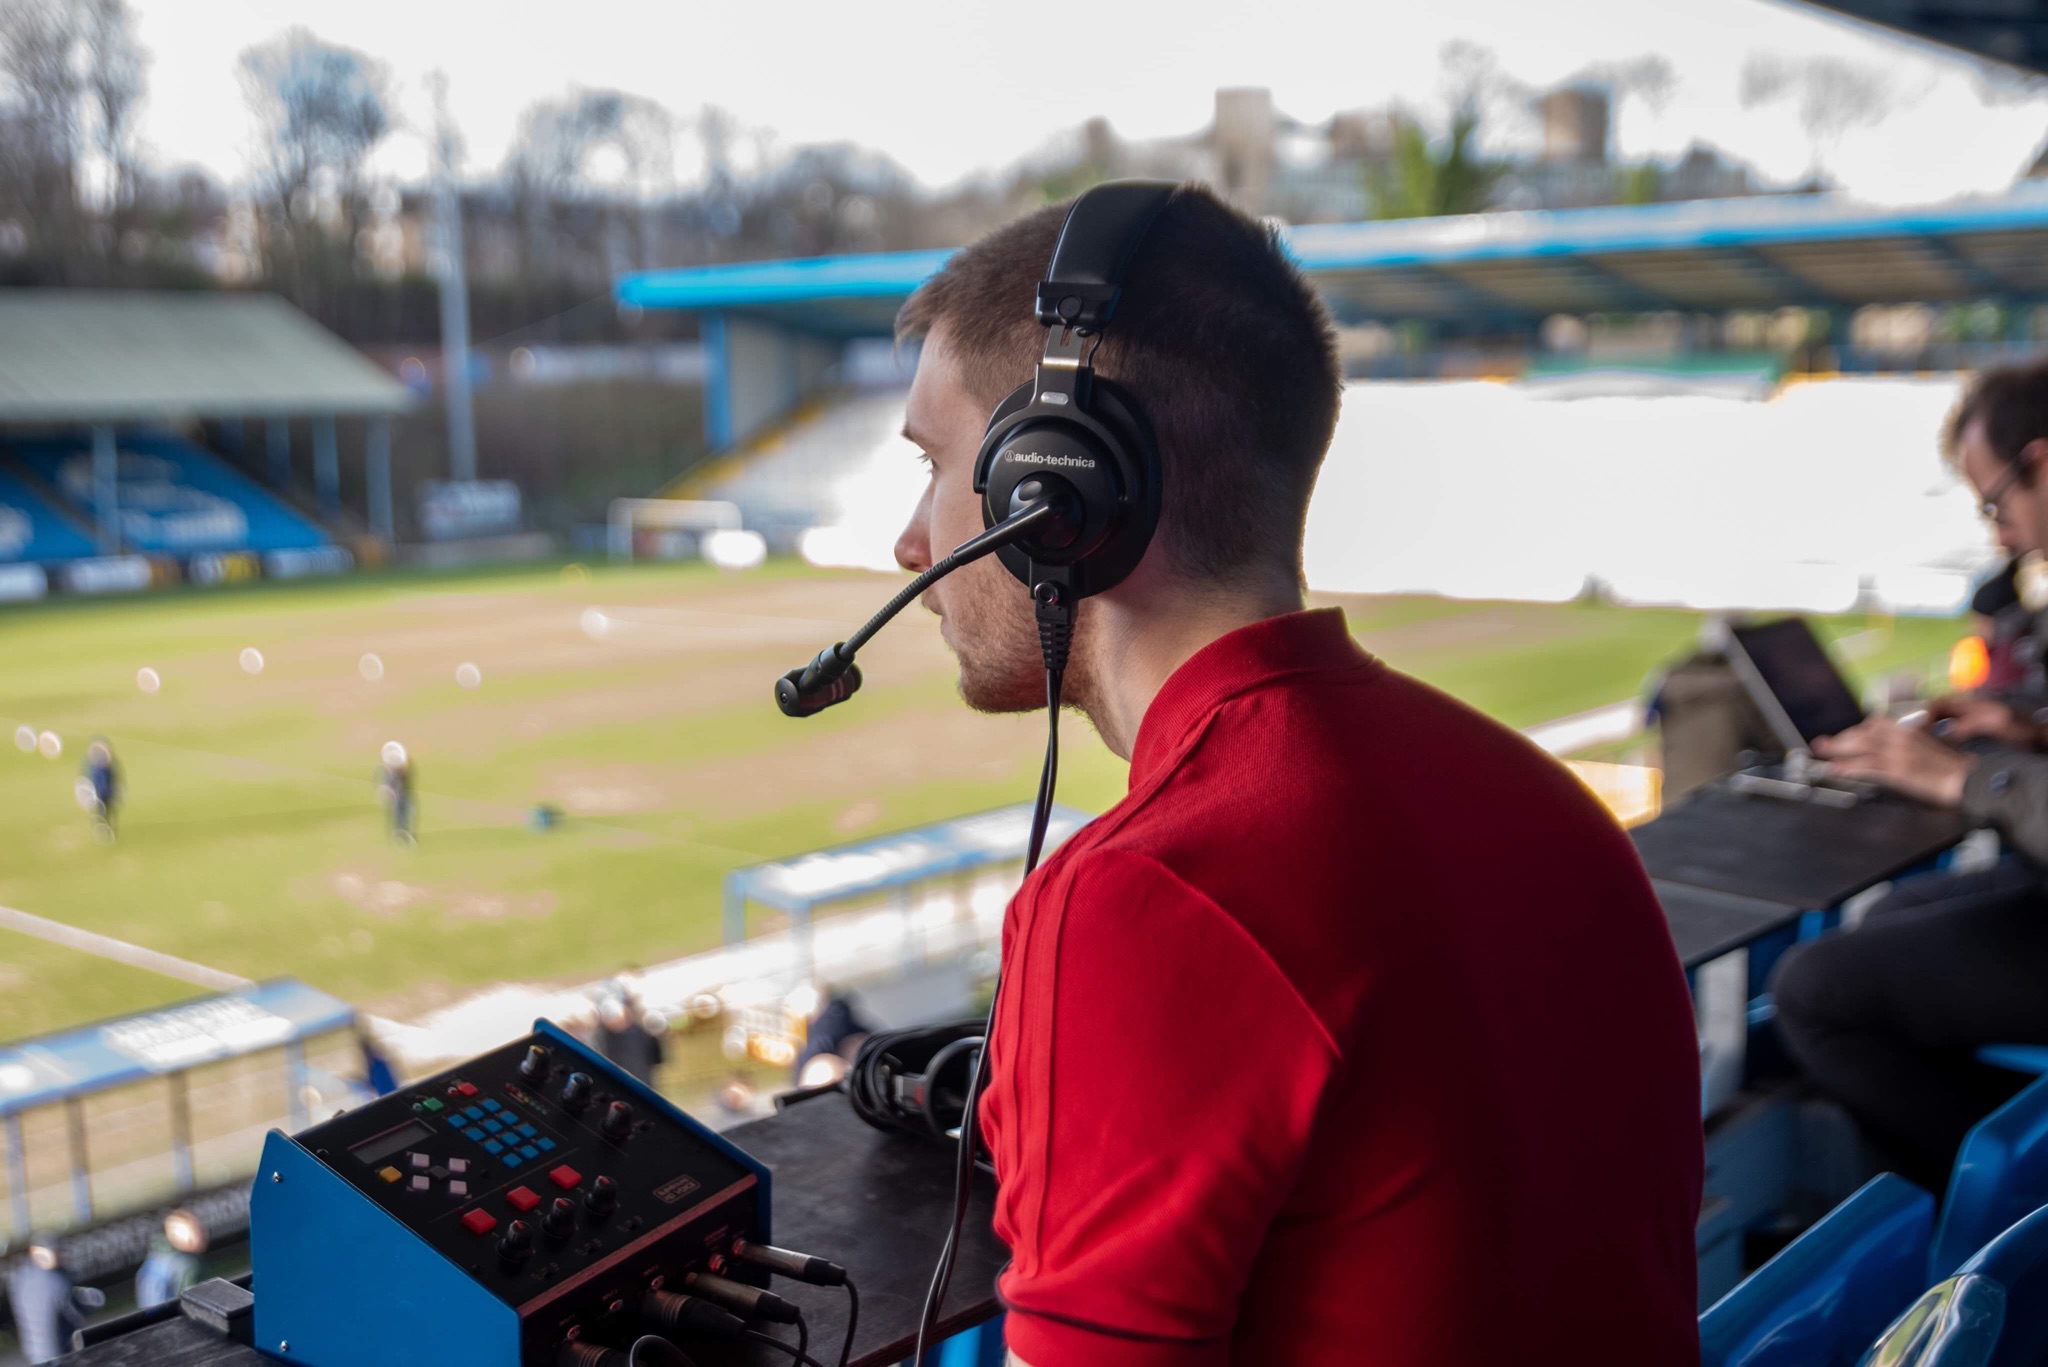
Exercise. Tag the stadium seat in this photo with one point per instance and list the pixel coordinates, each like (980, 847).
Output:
(2001, 1174)
(1992, 1313)
(1828, 1292)
(2020, 1058)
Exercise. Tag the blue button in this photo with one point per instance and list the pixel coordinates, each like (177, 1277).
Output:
(528, 1151)
(512, 1160)
(489, 1104)
(546, 1146)
(527, 1132)
(474, 1113)
(474, 1133)
(493, 1147)
(492, 1127)
(457, 1123)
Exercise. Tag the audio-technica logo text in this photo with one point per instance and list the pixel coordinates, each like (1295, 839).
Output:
(1041, 458)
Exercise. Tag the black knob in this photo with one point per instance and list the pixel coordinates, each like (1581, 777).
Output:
(534, 1067)
(517, 1245)
(617, 1122)
(603, 1198)
(560, 1221)
(576, 1093)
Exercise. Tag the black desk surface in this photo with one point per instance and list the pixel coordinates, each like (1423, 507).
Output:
(1797, 853)
(1706, 924)
(876, 1203)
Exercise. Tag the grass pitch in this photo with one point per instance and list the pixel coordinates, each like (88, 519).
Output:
(637, 700)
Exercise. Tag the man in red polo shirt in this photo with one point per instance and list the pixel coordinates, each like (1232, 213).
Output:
(1354, 1033)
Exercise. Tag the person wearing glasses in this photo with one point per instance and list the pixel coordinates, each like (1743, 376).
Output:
(1887, 1018)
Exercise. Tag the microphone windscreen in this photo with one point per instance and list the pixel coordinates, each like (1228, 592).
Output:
(796, 702)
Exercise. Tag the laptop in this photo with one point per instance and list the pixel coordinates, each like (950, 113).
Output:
(1803, 696)
(1793, 681)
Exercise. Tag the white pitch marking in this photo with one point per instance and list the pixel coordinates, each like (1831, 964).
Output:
(107, 947)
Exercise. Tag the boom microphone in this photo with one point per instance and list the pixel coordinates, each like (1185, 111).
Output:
(1042, 505)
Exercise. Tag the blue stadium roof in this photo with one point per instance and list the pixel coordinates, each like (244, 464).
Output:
(1513, 269)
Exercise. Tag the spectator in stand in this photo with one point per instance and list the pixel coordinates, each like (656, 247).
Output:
(173, 1261)
(39, 1293)
(1887, 1018)
(623, 1037)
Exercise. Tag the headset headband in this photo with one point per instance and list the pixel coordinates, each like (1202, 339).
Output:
(1096, 244)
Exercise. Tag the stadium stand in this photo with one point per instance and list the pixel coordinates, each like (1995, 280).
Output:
(2000, 1175)
(32, 530)
(172, 498)
(83, 372)
(1827, 1294)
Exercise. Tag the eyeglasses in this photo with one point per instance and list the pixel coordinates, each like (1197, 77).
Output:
(1995, 495)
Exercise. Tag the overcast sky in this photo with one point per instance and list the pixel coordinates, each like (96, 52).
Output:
(952, 87)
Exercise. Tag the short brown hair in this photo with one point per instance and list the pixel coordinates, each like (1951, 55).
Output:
(2012, 403)
(1217, 336)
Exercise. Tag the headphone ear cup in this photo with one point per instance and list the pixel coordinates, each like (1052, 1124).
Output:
(1018, 400)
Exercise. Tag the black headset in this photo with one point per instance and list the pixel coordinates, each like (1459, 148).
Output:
(1068, 470)
(1069, 436)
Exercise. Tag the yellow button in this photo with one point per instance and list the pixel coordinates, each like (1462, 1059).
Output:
(388, 1174)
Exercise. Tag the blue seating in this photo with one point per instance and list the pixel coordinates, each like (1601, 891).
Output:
(31, 531)
(2020, 1058)
(1992, 1313)
(2000, 1175)
(172, 497)
(1827, 1293)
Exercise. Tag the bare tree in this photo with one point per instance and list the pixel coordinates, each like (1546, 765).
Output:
(1834, 96)
(323, 109)
(40, 80)
(113, 64)
(554, 166)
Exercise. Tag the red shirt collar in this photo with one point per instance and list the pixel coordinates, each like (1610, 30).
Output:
(1236, 663)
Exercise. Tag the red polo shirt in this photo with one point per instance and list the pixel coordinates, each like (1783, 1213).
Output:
(1353, 1034)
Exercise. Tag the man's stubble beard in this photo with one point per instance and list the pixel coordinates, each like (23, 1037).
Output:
(1001, 667)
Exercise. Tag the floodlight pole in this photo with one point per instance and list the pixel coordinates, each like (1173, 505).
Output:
(106, 486)
(454, 292)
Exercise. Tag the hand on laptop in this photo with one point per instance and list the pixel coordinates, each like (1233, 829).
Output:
(1971, 718)
(1904, 758)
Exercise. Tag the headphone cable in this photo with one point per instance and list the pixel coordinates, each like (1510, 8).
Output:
(963, 1168)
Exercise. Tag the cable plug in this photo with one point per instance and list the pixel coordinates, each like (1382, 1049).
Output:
(692, 1314)
(784, 1262)
(748, 1302)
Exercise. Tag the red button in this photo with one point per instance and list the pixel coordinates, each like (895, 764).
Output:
(467, 1089)
(479, 1222)
(521, 1199)
(565, 1177)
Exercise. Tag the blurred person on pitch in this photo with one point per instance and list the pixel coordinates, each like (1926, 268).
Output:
(1448, 1079)
(99, 786)
(1888, 1017)
(173, 1262)
(394, 790)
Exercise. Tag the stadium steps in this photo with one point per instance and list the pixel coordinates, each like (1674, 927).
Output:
(819, 468)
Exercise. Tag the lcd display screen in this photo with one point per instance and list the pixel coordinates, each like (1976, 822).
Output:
(412, 1134)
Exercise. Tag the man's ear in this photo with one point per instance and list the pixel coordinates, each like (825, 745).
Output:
(2034, 455)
